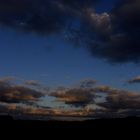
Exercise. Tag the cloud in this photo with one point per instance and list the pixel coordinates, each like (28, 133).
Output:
(18, 94)
(103, 88)
(88, 83)
(32, 83)
(99, 23)
(118, 103)
(112, 36)
(74, 96)
(134, 80)
(115, 103)
(121, 99)
(31, 112)
(111, 99)
(39, 16)
(121, 43)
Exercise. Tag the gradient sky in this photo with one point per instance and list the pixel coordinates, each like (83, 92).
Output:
(55, 62)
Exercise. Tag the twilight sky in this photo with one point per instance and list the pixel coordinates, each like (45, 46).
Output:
(59, 43)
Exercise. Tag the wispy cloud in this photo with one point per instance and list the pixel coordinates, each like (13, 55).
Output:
(134, 80)
(32, 83)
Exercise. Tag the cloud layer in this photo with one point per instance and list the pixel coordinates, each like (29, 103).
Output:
(74, 96)
(39, 16)
(18, 94)
(15, 100)
(121, 99)
(112, 36)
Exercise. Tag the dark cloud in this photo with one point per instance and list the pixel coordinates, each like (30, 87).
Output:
(111, 36)
(30, 112)
(112, 99)
(119, 41)
(18, 94)
(134, 80)
(118, 102)
(122, 100)
(88, 83)
(40, 16)
(74, 96)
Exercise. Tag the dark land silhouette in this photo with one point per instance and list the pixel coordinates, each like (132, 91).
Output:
(121, 123)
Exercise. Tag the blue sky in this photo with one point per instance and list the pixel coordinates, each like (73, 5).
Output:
(55, 62)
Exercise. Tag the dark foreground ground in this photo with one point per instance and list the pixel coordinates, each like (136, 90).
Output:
(87, 130)
(120, 123)
(91, 129)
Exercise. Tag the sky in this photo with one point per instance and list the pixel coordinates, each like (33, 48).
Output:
(60, 43)
(55, 62)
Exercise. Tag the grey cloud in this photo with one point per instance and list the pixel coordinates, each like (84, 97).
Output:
(134, 80)
(113, 36)
(122, 100)
(118, 103)
(40, 16)
(18, 94)
(123, 43)
(74, 96)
